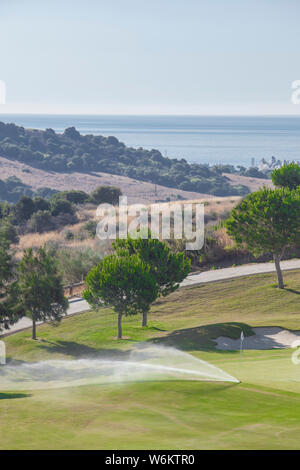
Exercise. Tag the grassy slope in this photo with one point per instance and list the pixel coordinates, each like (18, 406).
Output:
(136, 190)
(261, 412)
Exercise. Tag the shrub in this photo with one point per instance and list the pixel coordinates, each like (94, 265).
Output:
(74, 196)
(108, 194)
(69, 235)
(63, 219)
(91, 227)
(61, 206)
(41, 221)
(8, 231)
(75, 263)
(23, 210)
(41, 204)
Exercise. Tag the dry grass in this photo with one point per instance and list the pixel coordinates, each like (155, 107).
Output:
(35, 240)
(252, 183)
(136, 191)
(58, 237)
(213, 204)
(218, 206)
(223, 238)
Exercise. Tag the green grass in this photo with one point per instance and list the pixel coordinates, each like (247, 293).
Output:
(170, 415)
(259, 413)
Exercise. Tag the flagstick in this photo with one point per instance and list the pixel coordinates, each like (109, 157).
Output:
(241, 347)
(241, 343)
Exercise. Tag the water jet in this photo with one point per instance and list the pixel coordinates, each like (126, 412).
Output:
(147, 363)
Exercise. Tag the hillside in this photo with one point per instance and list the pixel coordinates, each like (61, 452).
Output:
(253, 184)
(136, 191)
(72, 152)
(38, 180)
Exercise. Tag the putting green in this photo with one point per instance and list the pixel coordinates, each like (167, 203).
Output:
(272, 368)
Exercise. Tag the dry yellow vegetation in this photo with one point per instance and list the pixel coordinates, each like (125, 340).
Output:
(217, 206)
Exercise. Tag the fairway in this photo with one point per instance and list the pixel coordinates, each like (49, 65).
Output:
(177, 415)
(261, 412)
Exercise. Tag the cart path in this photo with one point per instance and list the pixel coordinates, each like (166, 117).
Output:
(79, 305)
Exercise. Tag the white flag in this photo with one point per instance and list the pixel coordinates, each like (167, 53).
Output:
(242, 335)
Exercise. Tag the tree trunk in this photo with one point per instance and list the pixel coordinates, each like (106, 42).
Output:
(119, 325)
(144, 321)
(33, 327)
(278, 270)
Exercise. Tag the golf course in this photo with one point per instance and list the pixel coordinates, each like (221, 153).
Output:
(260, 412)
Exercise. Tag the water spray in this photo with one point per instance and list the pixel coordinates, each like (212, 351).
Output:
(143, 364)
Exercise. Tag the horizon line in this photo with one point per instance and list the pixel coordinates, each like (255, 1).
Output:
(152, 114)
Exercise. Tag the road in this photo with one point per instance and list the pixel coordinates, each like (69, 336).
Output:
(238, 271)
(79, 305)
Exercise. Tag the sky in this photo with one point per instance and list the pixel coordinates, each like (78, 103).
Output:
(149, 56)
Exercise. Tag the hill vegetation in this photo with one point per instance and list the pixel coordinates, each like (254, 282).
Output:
(72, 152)
(13, 188)
(39, 215)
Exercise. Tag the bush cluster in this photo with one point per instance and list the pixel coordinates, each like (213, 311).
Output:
(43, 215)
(13, 188)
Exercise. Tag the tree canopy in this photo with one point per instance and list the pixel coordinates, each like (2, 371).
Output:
(267, 221)
(167, 268)
(9, 314)
(124, 283)
(106, 194)
(287, 176)
(40, 288)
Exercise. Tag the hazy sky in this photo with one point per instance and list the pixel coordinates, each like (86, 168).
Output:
(150, 56)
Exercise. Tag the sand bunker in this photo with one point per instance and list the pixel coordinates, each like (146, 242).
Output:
(267, 337)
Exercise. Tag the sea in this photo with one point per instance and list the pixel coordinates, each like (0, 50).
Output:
(236, 140)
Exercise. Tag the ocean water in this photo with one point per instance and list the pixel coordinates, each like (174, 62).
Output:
(202, 139)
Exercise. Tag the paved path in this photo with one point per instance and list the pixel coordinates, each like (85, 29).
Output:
(75, 306)
(79, 305)
(238, 271)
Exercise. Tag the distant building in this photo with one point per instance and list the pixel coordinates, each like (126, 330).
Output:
(266, 166)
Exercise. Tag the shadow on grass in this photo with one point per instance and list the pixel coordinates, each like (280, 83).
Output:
(156, 328)
(77, 350)
(14, 362)
(293, 291)
(10, 396)
(202, 337)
